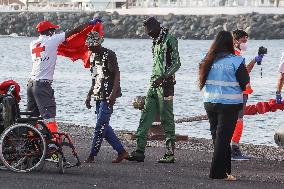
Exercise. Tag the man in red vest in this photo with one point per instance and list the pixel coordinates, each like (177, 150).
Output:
(240, 43)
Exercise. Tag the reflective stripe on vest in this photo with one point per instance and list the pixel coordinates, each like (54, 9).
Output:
(223, 96)
(222, 85)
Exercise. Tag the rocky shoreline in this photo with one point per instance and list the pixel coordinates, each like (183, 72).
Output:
(259, 26)
(82, 133)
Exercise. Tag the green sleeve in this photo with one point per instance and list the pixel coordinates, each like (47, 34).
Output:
(173, 45)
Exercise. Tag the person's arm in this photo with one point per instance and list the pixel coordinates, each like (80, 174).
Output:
(278, 96)
(89, 95)
(280, 82)
(116, 85)
(75, 30)
(251, 65)
(242, 76)
(81, 27)
(173, 45)
(113, 66)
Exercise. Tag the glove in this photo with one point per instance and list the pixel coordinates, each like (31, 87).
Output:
(94, 21)
(278, 98)
(258, 58)
(157, 82)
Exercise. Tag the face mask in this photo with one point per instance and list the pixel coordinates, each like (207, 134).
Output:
(243, 46)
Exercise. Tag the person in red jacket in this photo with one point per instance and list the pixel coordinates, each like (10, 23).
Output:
(240, 43)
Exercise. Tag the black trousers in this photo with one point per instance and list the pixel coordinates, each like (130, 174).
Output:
(222, 119)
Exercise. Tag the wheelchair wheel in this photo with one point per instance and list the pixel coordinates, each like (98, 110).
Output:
(22, 148)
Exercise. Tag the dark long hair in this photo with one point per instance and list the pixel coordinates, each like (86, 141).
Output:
(223, 43)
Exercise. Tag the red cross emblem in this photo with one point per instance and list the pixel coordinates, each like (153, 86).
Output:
(38, 49)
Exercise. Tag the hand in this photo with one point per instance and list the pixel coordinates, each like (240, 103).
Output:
(88, 102)
(111, 100)
(259, 58)
(157, 82)
(94, 21)
(278, 97)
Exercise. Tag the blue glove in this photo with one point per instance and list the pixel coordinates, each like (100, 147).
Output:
(94, 21)
(278, 98)
(258, 58)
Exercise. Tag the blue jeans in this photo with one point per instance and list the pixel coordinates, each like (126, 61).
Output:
(104, 130)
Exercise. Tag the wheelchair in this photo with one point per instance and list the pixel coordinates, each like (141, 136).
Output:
(26, 143)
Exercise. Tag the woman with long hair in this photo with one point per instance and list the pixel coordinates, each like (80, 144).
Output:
(223, 77)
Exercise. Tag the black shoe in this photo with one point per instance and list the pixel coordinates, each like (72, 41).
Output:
(52, 151)
(136, 156)
(90, 159)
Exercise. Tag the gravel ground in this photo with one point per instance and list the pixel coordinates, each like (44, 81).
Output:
(265, 170)
(196, 144)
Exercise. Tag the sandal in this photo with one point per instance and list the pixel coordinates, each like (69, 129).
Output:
(230, 178)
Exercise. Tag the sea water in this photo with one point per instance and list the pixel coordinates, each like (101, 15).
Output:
(72, 82)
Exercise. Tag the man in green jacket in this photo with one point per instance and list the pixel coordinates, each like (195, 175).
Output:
(159, 98)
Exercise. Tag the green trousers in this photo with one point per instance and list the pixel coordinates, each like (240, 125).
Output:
(156, 103)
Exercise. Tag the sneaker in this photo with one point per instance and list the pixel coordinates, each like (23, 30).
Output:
(136, 156)
(52, 151)
(90, 159)
(237, 155)
(54, 157)
(167, 158)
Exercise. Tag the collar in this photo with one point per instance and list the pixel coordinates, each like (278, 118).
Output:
(222, 55)
(238, 52)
